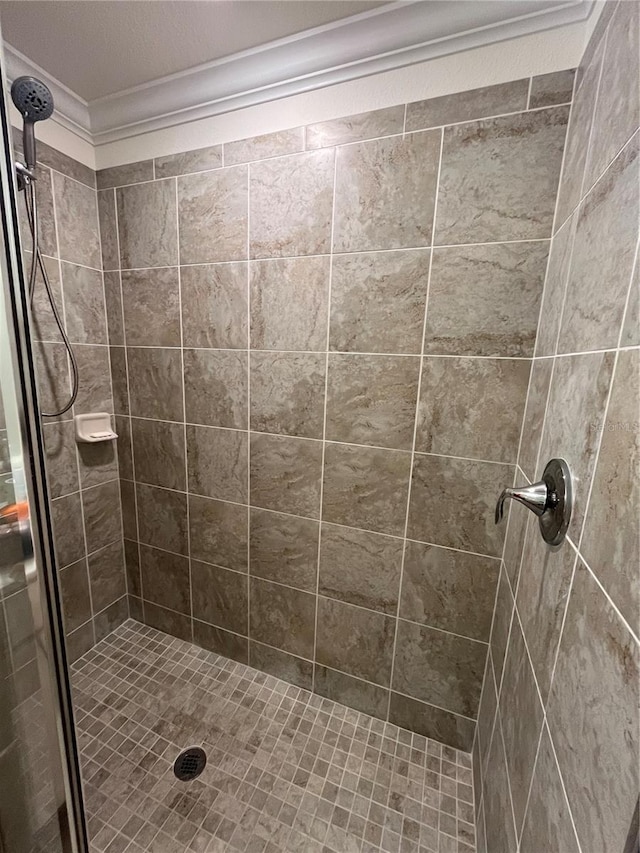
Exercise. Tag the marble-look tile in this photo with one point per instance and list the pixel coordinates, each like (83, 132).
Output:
(292, 669)
(102, 515)
(501, 626)
(52, 373)
(289, 304)
(547, 90)
(113, 307)
(285, 474)
(214, 305)
(44, 326)
(360, 567)
(282, 617)
(46, 216)
(97, 463)
(284, 548)
(119, 381)
(67, 165)
(78, 642)
(460, 399)
(217, 463)
(218, 532)
(108, 229)
(439, 668)
(213, 216)
(453, 501)
(74, 590)
(371, 399)
(465, 106)
(370, 125)
(485, 300)
(135, 608)
(385, 193)
(159, 453)
(486, 720)
(261, 147)
(518, 517)
(522, 717)
(575, 414)
(593, 717)
(111, 618)
(577, 144)
(77, 222)
(147, 225)
(354, 640)
(533, 420)
(175, 624)
(499, 177)
(555, 286)
(352, 692)
(605, 243)
(499, 827)
(129, 510)
(220, 597)
(366, 487)
(449, 590)
(155, 383)
(60, 458)
(129, 173)
(287, 393)
(85, 317)
(221, 642)
(291, 204)
(548, 818)
(151, 302)
(162, 518)
(610, 541)
(107, 576)
(215, 388)
(435, 723)
(132, 568)
(124, 447)
(631, 327)
(198, 160)
(617, 112)
(94, 383)
(20, 629)
(378, 301)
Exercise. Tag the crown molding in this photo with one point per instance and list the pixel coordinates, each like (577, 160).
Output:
(393, 36)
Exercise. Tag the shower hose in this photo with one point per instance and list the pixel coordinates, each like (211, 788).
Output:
(31, 204)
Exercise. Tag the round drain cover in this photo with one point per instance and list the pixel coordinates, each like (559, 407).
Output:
(190, 764)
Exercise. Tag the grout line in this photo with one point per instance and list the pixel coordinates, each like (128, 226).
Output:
(529, 87)
(248, 285)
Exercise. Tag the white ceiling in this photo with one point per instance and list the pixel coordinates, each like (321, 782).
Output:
(99, 47)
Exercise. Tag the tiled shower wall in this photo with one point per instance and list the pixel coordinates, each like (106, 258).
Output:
(320, 346)
(557, 752)
(83, 479)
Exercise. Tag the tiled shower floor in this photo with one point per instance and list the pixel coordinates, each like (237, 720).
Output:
(286, 771)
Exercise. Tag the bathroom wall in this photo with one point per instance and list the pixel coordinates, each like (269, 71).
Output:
(556, 755)
(308, 468)
(83, 479)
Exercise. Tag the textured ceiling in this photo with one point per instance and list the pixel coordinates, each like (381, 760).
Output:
(98, 47)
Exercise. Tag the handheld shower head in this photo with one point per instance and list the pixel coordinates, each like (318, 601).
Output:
(35, 102)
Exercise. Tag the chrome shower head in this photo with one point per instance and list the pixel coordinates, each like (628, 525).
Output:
(35, 102)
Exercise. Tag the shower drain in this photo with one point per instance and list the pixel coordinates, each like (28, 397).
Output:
(190, 764)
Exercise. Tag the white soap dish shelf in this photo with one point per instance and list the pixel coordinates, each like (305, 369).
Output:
(93, 427)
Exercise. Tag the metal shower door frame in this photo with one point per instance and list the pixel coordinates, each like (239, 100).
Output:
(44, 594)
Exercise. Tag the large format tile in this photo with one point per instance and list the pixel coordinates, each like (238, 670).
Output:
(554, 289)
(162, 518)
(431, 722)
(610, 540)
(284, 548)
(604, 247)
(285, 474)
(186, 162)
(147, 225)
(501, 626)
(76, 212)
(500, 830)
(102, 515)
(107, 576)
(221, 642)
(292, 669)
(217, 463)
(353, 692)
(378, 301)
(267, 145)
(291, 204)
(499, 177)
(60, 458)
(439, 668)
(120, 176)
(356, 641)
(464, 106)
(370, 125)
(46, 217)
(549, 89)
(472, 407)
(113, 306)
(165, 579)
(385, 193)
(97, 463)
(218, 532)
(52, 373)
(220, 597)
(371, 399)
(159, 453)
(449, 590)
(287, 393)
(533, 420)
(289, 304)
(215, 388)
(119, 380)
(366, 487)
(360, 567)
(44, 326)
(168, 621)
(593, 718)
(213, 216)
(84, 306)
(214, 305)
(94, 385)
(74, 591)
(282, 617)
(485, 300)
(151, 303)
(108, 229)
(453, 501)
(155, 383)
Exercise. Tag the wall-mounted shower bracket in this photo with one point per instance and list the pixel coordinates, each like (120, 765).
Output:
(550, 499)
